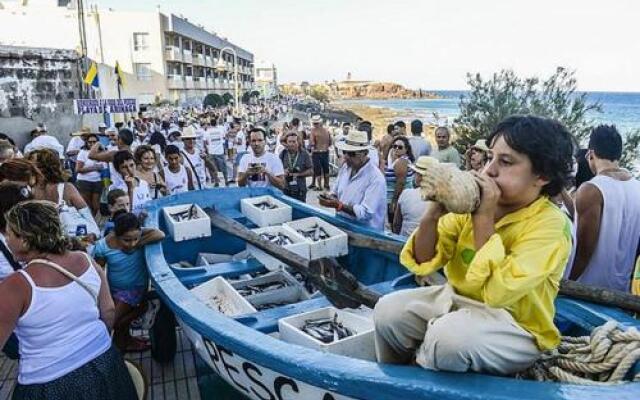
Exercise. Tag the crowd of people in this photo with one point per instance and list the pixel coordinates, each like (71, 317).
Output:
(545, 211)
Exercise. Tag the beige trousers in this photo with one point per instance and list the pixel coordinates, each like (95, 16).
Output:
(448, 332)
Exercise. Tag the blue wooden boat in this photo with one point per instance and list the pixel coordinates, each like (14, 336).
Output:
(244, 352)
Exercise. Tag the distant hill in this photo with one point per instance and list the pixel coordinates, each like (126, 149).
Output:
(345, 90)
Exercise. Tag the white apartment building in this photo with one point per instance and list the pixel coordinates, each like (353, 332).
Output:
(266, 76)
(163, 56)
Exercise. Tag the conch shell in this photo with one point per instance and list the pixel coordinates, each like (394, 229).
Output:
(456, 190)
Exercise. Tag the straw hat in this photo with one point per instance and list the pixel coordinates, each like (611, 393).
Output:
(316, 119)
(481, 145)
(188, 133)
(85, 130)
(355, 141)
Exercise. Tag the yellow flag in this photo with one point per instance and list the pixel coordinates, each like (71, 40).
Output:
(119, 75)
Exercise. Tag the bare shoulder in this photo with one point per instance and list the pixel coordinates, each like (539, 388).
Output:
(588, 196)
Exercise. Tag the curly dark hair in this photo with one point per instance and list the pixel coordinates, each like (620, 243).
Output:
(546, 142)
(141, 151)
(38, 223)
(48, 162)
(407, 146)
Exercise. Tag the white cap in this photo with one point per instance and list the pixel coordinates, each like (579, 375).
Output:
(102, 125)
(111, 129)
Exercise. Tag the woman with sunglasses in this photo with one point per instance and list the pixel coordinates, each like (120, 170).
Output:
(89, 180)
(398, 175)
(503, 263)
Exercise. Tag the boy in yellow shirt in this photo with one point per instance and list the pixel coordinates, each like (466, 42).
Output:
(503, 263)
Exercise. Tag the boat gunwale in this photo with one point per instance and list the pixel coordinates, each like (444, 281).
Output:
(343, 375)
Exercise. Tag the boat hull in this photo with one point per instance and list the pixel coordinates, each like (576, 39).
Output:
(255, 381)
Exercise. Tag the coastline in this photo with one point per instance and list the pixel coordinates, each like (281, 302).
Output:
(380, 117)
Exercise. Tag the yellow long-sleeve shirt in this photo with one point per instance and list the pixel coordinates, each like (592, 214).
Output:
(519, 268)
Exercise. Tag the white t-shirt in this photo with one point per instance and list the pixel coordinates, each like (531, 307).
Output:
(198, 165)
(242, 146)
(93, 176)
(271, 163)
(76, 143)
(215, 140)
(177, 182)
(412, 207)
(141, 194)
(374, 156)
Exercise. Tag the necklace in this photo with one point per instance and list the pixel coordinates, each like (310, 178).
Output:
(292, 165)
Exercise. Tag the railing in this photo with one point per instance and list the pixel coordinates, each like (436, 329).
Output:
(187, 57)
(175, 81)
(172, 53)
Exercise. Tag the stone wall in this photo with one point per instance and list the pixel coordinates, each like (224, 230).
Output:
(39, 85)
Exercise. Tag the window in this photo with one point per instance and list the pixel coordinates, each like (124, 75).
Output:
(143, 72)
(140, 41)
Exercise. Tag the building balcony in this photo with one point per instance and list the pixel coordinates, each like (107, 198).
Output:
(198, 59)
(200, 83)
(188, 82)
(172, 53)
(208, 61)
(211, 83)
(187, 57)
(175, 82)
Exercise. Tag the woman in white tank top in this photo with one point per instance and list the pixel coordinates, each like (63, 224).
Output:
(61, 311)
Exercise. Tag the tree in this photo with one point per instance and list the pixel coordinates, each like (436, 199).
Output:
(319, 92)
(255, 93)
(227, 98)
(505, 94)
(246, 96)
(213, 100)
(631, 152)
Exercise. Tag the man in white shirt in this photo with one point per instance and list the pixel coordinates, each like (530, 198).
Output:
(214, 136)
(260, 168)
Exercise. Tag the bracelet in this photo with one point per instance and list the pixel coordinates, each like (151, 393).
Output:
(340, 206)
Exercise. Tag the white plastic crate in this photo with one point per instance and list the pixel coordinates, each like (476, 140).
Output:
(293, 292)
(269, 217)
(360, 345)
(336, 245)
(299, 246)
(190, 229)
(219, 295)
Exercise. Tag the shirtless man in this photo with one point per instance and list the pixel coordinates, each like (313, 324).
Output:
(385, 143)
(320, 143)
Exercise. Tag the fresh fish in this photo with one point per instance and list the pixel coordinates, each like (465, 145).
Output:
(326, 330)
(265, 205)
(314, 233)
(186, 215)
(250, 290)
(277, 238)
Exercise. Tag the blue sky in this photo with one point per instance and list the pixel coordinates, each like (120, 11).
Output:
(428, 44)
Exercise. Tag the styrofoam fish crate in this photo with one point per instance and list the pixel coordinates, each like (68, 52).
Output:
(189, 229)
(268, 217)
(294, 291)
(300, 246)
(219, 295)
(336, 245)
(360, 345)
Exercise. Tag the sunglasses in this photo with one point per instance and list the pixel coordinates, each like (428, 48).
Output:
(351, 153)
(398, 147)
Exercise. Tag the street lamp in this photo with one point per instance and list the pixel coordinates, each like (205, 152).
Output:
(221, 67)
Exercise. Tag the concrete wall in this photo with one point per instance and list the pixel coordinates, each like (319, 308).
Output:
(39, 85)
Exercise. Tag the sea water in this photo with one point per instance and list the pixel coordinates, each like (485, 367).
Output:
(621, 109)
